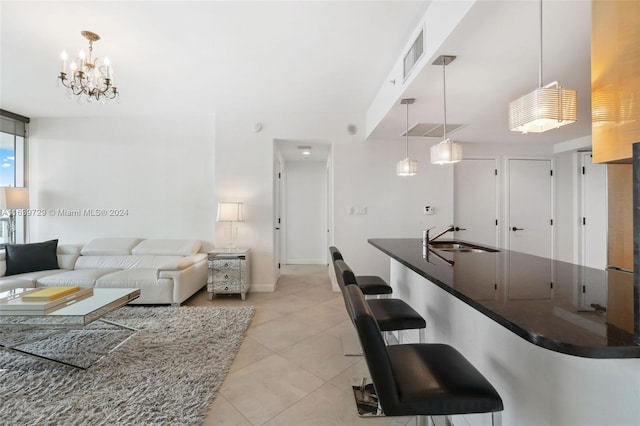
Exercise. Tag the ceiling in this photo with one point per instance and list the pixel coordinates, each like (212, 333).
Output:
(202, 57)
(291, 150)
(496, 45)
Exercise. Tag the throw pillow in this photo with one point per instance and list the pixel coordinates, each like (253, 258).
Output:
(34, 257)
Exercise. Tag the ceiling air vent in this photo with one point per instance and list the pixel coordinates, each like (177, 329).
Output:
(432, 130)
(414, 54)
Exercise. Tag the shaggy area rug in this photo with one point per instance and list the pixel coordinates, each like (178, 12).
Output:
(165, 374)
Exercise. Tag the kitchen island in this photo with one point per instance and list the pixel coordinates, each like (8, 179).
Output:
(555, 339)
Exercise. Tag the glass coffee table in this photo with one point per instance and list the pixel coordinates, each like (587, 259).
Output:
(70, 315)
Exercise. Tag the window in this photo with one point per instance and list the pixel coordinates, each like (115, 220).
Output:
(13, 131)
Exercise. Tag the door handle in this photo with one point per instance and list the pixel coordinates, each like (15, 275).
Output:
(457, 228)
(517, 229)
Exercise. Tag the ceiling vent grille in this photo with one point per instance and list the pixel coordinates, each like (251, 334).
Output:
(432, 130)
(414, 54)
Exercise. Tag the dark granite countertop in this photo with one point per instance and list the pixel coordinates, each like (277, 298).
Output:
(557, 305)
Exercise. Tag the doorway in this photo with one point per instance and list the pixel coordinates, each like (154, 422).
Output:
(530, 206)
(304, 197)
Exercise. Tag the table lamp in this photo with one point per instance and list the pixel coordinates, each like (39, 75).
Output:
(231, 212)
(13, 199)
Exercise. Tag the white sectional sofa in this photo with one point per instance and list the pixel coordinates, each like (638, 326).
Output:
(166, 271)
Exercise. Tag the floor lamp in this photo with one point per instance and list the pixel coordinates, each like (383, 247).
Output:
(12, 199)
(231, 212)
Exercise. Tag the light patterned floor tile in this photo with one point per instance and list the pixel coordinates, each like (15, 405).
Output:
(321, 355)
(328, 406)
(265, 388)
(222, 413)
(250, 352)
(283, 332)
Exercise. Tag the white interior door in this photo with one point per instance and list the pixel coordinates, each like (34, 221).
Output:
(305, 212)
(530, 206)
(476, 201)
(594, 212)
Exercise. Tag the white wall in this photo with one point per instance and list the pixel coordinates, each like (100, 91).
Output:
(365, 176)
(244, 171)
(305, 219)
(169, 173)
(159, 171)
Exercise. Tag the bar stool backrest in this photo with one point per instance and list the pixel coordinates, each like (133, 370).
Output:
(373, 347)
(335, 254)
(344, 274)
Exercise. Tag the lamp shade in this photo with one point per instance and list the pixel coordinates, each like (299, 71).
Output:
(407, 167)
(230, 212)
(543, 109)
(446, 152)
(14, 198)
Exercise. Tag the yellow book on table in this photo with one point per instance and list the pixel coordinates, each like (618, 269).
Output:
(50, 293)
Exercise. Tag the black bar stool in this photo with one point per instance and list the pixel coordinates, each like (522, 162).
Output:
(371, 285)
(390, 314)
(418, 379)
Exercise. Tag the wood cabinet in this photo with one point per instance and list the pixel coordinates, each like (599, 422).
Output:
(615, 79)
(620, 233)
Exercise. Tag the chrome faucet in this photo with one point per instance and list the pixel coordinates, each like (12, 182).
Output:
(425, 235)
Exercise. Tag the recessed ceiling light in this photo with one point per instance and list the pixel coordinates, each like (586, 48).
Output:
(305, 150)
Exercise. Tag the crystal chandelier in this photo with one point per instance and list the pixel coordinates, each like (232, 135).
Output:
(87, 78)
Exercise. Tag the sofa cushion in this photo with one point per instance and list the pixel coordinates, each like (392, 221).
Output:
(10, 283)
(110, 246)
(79, 277)
(22, 258)
(125, 262)
(167, 247)
(130, 278)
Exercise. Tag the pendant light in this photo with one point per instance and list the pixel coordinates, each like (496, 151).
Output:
(446, 152)
(545, 108)
(407, 167)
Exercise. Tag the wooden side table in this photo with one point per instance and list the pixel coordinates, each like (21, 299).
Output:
(229, 272)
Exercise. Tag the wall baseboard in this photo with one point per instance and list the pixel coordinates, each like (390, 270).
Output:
(305, 262)
(263, 288)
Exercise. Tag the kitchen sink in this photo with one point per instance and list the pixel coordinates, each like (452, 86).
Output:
(459, 246)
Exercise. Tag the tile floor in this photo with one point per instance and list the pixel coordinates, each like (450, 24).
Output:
(291, 369)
